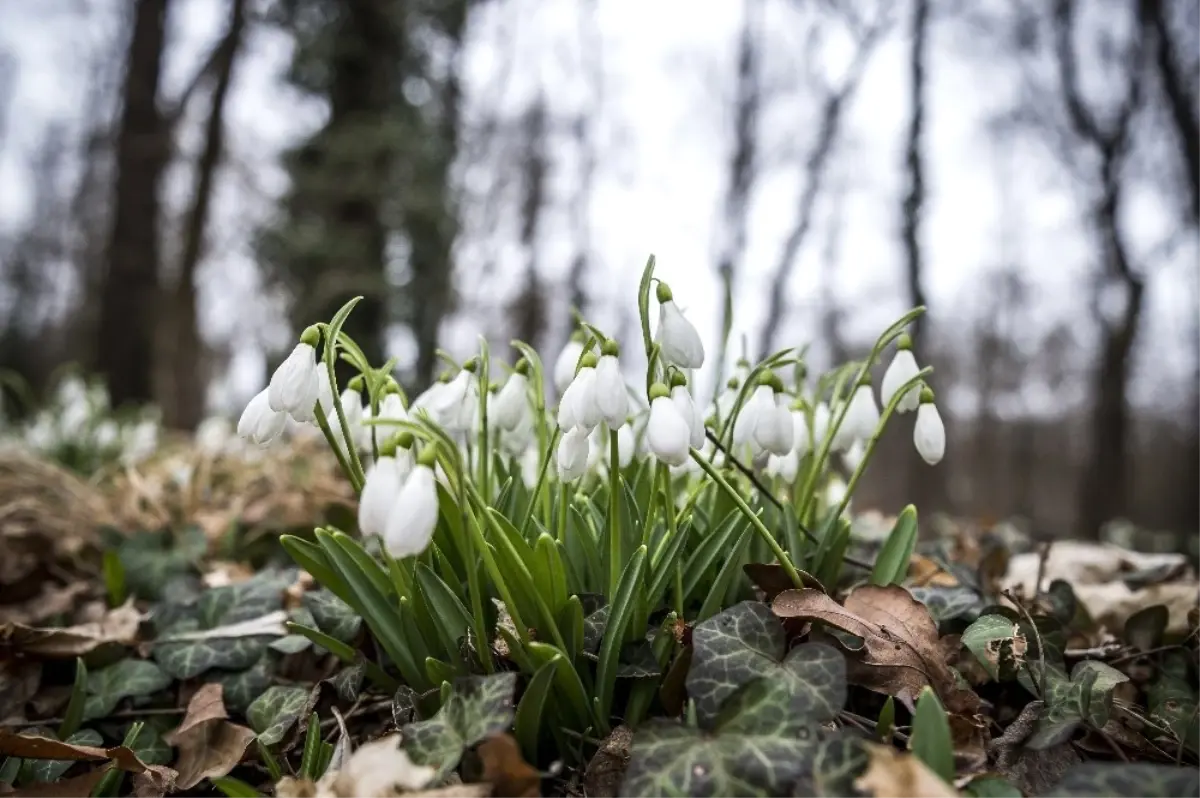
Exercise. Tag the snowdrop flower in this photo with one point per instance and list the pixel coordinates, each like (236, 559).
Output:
(572, 455)
(686, 406)
(511, 406)
(295, 385)
(106, 433)
(862, 415)
(379, 493)
(577, 408)
(324, 389)
(853, 456)
(564, 367)
(431, 395)
(140, 442)
(723, 406)
(821, 421)
(902, 369)
(785, 467)
(929, 434)
(668, 433)
(608, 387)
(800, 440)
(352, 407)
(519, 439)
(679, 340)
(391, 408)
(259, 423)
(414, 514)
(213, 434)
(599, 446)
(765, 421)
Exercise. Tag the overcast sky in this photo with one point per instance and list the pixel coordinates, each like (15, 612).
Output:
(663, 132)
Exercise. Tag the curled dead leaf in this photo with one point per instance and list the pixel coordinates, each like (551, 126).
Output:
(28, 746)
(892, 774)
(80, 786)
(379, 769)
(118, 627)
(506, 770)
(209, 744)
(901, 650)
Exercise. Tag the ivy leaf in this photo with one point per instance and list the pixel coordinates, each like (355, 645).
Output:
(189, 656)
(747, 642)
(756, 748)
(333, 616)
(479, 707)
(949, 603)
(47, 770)
(151, 748)
(1172, 702)
(242, 687)
(1086, 697)
(128, 678)
(1128, 780)
(999, 645)
(274, 712)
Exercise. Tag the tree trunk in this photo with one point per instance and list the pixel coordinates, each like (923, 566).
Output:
(914, 199)
(127, 315)
(183, 399)
(1181, 101)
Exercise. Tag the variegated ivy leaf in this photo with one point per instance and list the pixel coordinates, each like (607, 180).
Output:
(948, 603)
(188, 658)
(333, 616)
(242, 687)
(274, 712)
(754, 749)
(746, 642)
(47, 770)
(1128, 780)
(479, 707)
(128, 678)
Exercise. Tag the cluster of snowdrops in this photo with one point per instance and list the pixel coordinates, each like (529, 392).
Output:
(785, 433)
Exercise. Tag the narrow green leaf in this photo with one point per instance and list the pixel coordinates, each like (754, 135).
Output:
(712, 549)
(891, 566)
(931, 741)
(114, 578)
(730, 569)
(235, 788)
(74, 714)
(368, 566)
(620, 613)
(549, 572)
(449, 615)
(886, 724)
(312, 559)
(663, 568)
(530, 710)
(312, 749)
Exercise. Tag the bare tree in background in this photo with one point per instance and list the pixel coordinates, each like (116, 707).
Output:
(833, 104)
(182, 393)
(741, 169)
(584, 134)
(528, 311)
(1106, 133)
(1176, 57)
(127, 316)
(914, 197)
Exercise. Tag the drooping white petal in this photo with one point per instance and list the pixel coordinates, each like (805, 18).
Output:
(608, 391)
(352, 408)
(785, 467)
(259, 423)
(929, 434)
(800, 441)
(679, 340)
(295, 386)
(577, 408)
(760, 402)
(511, 405)
(667, 432)
(564, 367)
(572, 455)
(902, 369)
(686, 405)
(324, 389)
(379, 493)
(773, 427)
(414, 515)
(863, 415)
(821, 421)
(625, 445)
(853, 456)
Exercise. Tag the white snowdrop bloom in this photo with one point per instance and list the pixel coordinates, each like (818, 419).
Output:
(414, 514)
(902, 369)
(430, 397)
(511, 406)
(667, 431)
(929, 434)
(835, 492)
(773, 429)
(863, 414)
(295, 385)
(140, 442)
(572, 454)
(800, 440)
(577, 408)
(600, 445)
(456, 404)
(519, 439)
(723, 406)
(761, 401)
(530, 466)
(822, 418)
(324, 389)
(352, 408)
(259, 423)
(564, 367)
(853, 456)
(680, 343)
(608, 388)
(107, 433)
(786, 467)
(213, 435)
(686, 405)
(379, 493)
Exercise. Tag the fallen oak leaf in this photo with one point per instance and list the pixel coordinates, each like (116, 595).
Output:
(80, 786)
(209, 745)
(901, 650)
(118, 627)
(892, 774)
(506, 770)
(28, 746)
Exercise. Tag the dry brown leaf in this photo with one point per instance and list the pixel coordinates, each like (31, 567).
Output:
(209, 745)
(892, 774)
(33, 747)
(902, 651)
(52, 600)
(80, 786)
(506, 770)
(118, 627)
(19, 682)
(924, 572)
(379, 769)
(606, 769)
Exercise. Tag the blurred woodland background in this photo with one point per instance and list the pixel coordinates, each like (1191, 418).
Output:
(184, 184)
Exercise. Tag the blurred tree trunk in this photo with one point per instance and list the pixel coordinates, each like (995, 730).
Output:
(130, 293)
(741, 170)
(528, 311)
(1174, 81)
(914, 198)
(183, 393)
(1103, 487)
